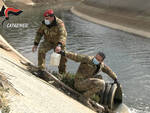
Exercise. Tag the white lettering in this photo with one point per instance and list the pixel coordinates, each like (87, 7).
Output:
(8, 25)
(17, 25)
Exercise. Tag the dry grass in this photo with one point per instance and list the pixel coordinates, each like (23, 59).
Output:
(3, 95)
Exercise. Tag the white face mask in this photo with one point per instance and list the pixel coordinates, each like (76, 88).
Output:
(47, 22)
(95, 61)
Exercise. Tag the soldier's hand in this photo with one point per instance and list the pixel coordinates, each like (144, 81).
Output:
(117, 82)
(57, 49)
(62, 53)
(34, 48)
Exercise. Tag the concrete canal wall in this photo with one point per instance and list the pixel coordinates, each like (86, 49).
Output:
(141, 6)
(131, 16)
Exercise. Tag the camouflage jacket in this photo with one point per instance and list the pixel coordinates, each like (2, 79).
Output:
(54, 33)
(87, 69)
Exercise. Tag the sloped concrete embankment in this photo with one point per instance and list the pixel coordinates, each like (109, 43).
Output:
(29, 94)
(121, 15)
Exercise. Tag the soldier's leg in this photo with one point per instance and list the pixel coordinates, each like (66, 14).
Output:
(62, 65)
(86, 102)
(43, 49)
(90, 86)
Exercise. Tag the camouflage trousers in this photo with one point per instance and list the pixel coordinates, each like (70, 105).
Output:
(43, 49)
(90, 86)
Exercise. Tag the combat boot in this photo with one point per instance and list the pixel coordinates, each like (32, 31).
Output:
(40, 74)
(86, 102)
(62, 70)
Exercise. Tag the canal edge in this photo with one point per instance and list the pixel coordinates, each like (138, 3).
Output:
(109, 24)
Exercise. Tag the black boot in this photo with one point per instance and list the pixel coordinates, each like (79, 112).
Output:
(40, 74)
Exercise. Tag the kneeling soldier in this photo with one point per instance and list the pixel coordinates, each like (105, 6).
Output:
(84, 79)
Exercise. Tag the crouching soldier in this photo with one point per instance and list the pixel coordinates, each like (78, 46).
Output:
(55, 36)
(84, 79)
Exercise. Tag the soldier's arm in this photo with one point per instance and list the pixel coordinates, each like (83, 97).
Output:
(62, 34)
(109, 72)
(39, 35)
(76, 57)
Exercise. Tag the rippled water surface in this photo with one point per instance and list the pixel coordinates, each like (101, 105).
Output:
(128, 55)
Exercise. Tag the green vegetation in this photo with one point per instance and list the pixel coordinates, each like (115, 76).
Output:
(68, 79)
(95, 98)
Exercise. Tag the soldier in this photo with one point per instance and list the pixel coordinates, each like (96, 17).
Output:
(55, 36)
(84, 79)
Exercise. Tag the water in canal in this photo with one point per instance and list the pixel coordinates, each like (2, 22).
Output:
(128, 55)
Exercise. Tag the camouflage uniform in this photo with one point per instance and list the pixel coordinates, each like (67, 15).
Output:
(84, 79)
(54, 34)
